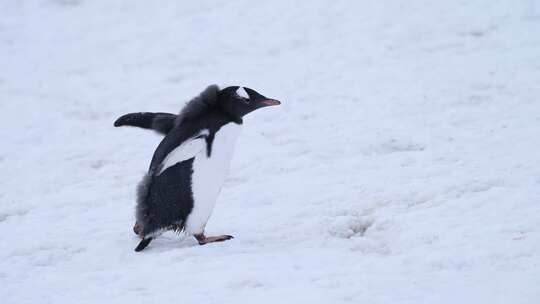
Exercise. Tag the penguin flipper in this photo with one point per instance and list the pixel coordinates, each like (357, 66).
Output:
(143, 244)
(187, 150)
(159, 122)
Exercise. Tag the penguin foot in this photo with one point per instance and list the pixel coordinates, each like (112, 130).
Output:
(143, 244)
(136, 228)
(203, 240)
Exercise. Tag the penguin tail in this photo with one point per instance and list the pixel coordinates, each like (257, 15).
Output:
(144, 242)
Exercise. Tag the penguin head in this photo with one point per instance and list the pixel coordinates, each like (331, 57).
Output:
(239, 101)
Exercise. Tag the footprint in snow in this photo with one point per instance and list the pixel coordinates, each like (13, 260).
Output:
(5, 215)
(347, 226)
(394, 146)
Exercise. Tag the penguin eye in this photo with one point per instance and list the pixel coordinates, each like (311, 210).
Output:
(244, 100)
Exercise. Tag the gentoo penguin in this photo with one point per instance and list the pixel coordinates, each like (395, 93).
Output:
(190, 164)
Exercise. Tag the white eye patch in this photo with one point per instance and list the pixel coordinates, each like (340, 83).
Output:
(242, 93)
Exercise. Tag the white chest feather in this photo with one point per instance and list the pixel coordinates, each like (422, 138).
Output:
(209, 174)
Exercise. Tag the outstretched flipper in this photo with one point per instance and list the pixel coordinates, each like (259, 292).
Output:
(159, 122)
(143, 244)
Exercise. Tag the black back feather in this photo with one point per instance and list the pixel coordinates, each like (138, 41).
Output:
(204, 103)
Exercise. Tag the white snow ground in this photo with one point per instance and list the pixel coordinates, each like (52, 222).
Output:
(402, 167)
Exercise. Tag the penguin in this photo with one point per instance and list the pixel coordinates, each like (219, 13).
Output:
(190, 164)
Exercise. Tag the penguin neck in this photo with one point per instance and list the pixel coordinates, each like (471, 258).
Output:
(237, 120)
(233, 116)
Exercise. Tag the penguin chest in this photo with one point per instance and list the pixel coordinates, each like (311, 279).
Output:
(208, 176)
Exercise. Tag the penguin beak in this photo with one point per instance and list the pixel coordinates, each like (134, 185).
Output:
(260, 100)
(270, 102)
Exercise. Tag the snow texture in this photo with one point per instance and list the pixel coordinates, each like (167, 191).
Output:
(403, 165)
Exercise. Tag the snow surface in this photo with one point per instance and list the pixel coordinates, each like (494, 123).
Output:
(402, 167)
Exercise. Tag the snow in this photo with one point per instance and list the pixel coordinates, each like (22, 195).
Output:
(401, 167)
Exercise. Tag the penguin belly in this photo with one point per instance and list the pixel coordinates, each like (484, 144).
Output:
(208, 176)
